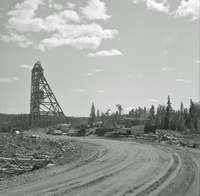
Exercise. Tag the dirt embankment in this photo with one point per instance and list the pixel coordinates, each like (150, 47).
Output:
(114, 167)
(62, 154)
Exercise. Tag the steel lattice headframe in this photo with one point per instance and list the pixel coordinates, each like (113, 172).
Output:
(44, 107)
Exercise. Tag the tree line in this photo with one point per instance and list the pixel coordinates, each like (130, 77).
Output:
(164, 117)
(22, 121)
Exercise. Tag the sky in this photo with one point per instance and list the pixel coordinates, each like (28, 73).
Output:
(129, 52)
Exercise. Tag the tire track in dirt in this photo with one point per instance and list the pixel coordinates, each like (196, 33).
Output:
(127, 170)
(119, 168)
(160, 179)
(109, 168)
(187, 180)
(180, 180)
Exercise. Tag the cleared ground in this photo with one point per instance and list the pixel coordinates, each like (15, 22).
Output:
(114, 167)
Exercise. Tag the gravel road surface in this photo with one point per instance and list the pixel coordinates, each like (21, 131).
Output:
(120, 168)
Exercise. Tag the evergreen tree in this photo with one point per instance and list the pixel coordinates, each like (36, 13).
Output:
(151, 115)
(168, 114)
(98, 114)
(181, 119)
(186, 118)
(182, 108)
(92, 117)
(173, 120)
(145, 112)
(193, 116)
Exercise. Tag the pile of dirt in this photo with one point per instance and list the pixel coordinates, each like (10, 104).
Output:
(20, 154)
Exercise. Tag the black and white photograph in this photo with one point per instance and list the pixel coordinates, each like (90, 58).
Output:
(99, 98)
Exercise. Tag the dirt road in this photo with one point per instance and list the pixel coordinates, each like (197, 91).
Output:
(122, 168)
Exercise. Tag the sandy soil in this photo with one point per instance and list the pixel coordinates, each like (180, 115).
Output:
(112, 167)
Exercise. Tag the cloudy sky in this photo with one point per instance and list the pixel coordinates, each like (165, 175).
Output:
(129, 52)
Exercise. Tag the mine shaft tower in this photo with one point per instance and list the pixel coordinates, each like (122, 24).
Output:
(44, 107)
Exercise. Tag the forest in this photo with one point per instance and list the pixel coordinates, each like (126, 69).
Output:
(164, 117)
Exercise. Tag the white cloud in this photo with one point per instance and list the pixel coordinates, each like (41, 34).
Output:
(162, 6)
(153, 100)
(58, 6)
(8, 80)
(188, 8)
(55, 6)
(73, 31)
(112, 52)
(78, 90)
(69, 15)
(197, 61)
(80, 42)
(40, 47)
(89, 74)
(179, 80)
(130, 76)
(167, 69)
(94, 10)
(70, 5)
(136, 1)
(97, 70)
(23, 19)
(59, 21)
(13, 38)
(21, 39)
(26, 66)
(25, 44)
(78, 36)
(101, 91)
(15, 78)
